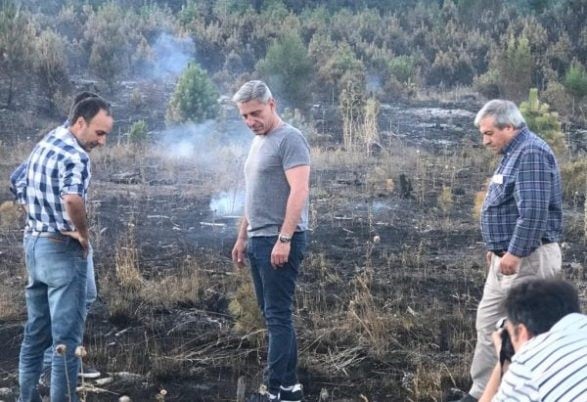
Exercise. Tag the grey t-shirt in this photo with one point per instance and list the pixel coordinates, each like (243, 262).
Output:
(267, 189)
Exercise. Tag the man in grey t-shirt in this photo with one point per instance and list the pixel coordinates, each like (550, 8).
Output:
(273, 229)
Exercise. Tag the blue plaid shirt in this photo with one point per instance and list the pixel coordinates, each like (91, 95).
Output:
(18, 182)
(57, 166)
(18, 176)
(523, 205)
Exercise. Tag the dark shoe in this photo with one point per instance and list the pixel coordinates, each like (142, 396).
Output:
(291, 394)
(88, 372)
(466, 398)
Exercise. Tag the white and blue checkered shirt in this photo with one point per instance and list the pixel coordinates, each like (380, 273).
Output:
(57, 166)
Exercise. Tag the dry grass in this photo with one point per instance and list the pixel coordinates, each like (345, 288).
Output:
(574, 180)
(15, 154)
(367, 320)
(12, 305)
(376, 311)
(337, 159)
(186, 286)
(11, 216)
(248, 320)
(128, 272)
(128, 290)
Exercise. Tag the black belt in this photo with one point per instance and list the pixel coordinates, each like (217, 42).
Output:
(501, 253)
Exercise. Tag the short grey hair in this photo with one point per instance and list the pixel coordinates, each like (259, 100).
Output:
(505, 113)
(253, 90)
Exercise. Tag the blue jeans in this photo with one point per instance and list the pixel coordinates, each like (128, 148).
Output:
(275, 288)
(55, 299)
(91, 296)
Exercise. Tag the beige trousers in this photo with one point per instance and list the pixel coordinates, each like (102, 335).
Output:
(544, 262)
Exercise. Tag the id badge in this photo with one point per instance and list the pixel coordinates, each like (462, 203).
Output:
(497, 179)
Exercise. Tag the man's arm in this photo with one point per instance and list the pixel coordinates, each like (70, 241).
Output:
(240, 246)
(532, 193)
(75, 207)
(298, 179)
(18, 184)
(492, 385)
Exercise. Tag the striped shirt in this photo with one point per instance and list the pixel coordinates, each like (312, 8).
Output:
(57, 166)
(551, 366)
(523, 205)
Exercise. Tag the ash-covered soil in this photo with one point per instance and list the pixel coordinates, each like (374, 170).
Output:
(387, 292)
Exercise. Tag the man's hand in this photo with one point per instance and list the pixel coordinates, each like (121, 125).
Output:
(83, 241)
(238, 253)
(280, 254)
(509, 264)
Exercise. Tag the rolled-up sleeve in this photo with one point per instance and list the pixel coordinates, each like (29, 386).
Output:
(18, 183)
(75, 173)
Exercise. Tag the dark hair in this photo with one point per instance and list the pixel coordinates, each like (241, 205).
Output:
(84, 95)
(541, 303)
(88, 108)
(80, 97)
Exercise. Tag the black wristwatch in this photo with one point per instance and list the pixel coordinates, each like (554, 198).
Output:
(284, 238)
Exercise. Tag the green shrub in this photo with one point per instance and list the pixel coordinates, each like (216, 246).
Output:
(195, 97)
(112, 37)
(287, 69)
(138, 132)
(576, 80)
(450, 68)
(543, 122)
(574, 180)
(403, 68)
(487, 84)
(514, 64)
(17, 34)
(50, 59)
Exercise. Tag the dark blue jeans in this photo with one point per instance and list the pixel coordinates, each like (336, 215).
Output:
(55, 298)
(275, 289)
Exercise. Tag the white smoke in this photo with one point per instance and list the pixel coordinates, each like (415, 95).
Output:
(169, 56)
(228, 203)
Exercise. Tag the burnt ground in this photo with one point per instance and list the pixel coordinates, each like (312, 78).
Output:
(387, 293)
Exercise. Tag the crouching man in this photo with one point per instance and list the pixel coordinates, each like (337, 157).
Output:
(549, 336)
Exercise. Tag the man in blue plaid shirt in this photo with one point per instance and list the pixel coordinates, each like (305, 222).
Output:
(18, 182)
(57, 180)
(521, 222)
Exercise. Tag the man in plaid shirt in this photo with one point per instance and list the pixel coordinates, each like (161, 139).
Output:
(18, 183)
(521, 222)
(57, 180)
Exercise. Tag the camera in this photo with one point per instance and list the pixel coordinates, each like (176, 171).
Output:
(507, 348)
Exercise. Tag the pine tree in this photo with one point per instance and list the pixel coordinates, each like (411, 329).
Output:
(514, 65)
(543, 122)
(575, 81)
(16, 44)
(195, 97)
(287, 69)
